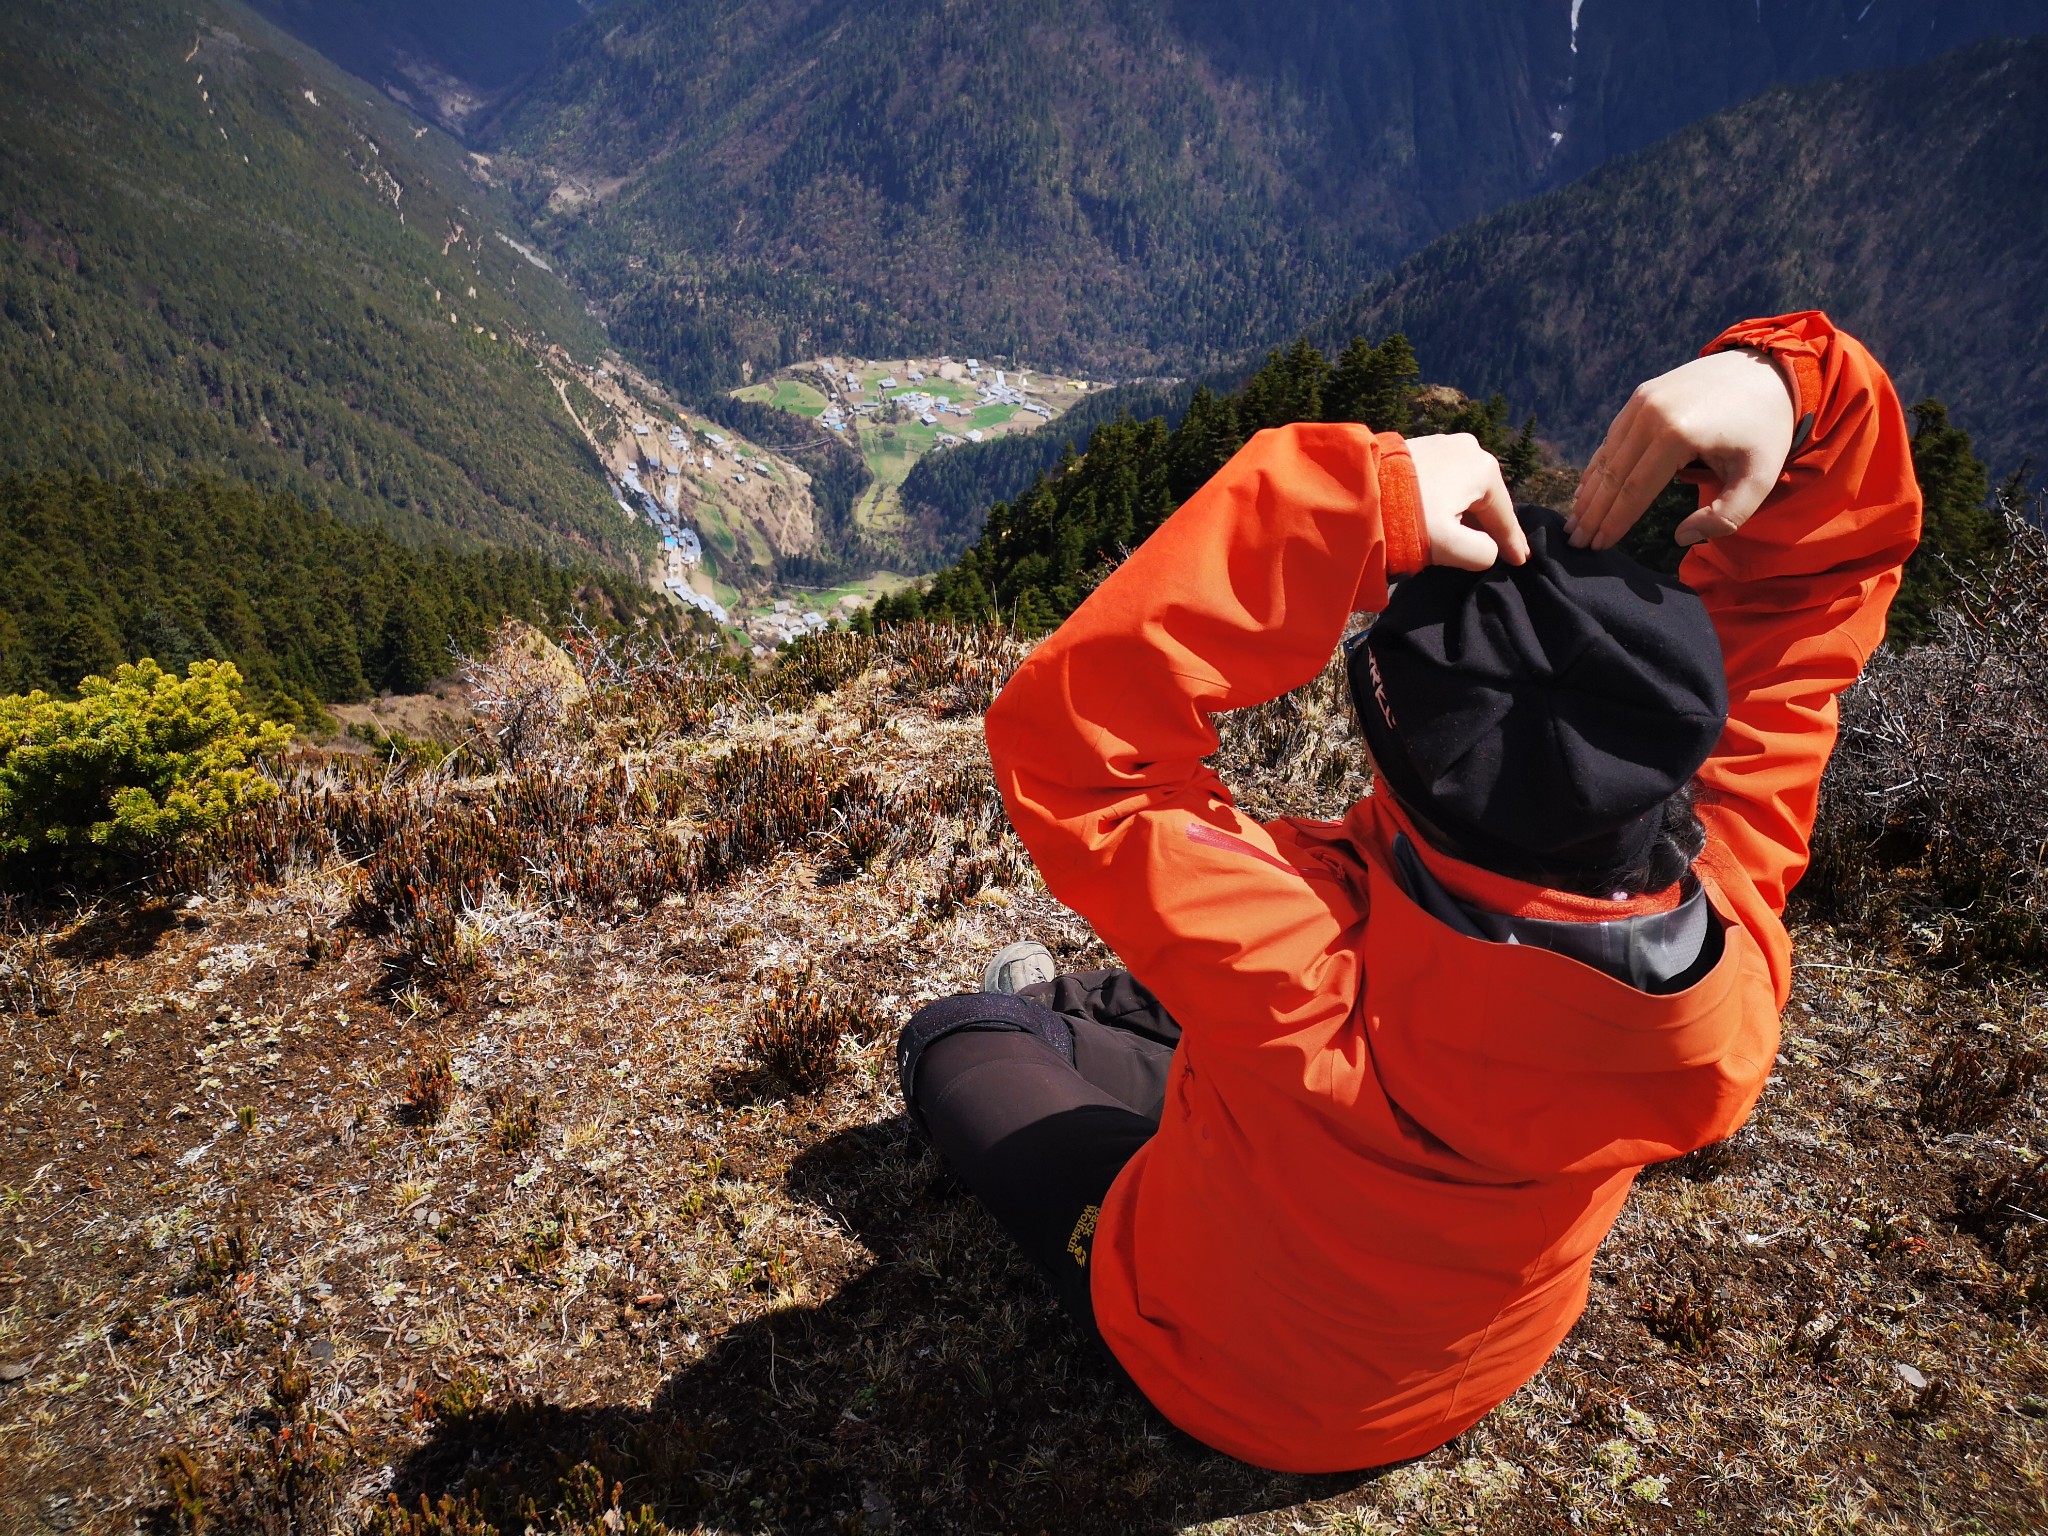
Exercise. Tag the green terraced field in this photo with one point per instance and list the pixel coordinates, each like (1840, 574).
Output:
(785, 395)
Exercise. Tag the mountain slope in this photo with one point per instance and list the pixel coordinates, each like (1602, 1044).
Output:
(217, 254)
(1099, 184)
(1905, 203)
(313, 610)
(443, 58)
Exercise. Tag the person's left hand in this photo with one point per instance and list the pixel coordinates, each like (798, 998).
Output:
(1467, 515)
(1732, 413)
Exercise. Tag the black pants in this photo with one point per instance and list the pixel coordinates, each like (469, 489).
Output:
(1039, 1139)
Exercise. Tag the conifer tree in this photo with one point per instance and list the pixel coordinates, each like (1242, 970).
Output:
(1374, 384)
(1959, 529)
(1522, 457)
(1288, 387)
(1203, 443)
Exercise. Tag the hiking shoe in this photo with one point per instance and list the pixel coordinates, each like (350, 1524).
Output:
(1017, 966)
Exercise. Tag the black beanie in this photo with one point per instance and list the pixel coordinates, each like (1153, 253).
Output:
(1540, 715)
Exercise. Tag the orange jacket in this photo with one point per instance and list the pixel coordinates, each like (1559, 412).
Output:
(1389, 1151)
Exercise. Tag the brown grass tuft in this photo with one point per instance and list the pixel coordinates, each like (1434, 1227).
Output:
(429, 1091)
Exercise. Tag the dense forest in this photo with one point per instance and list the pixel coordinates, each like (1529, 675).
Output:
(1041, 554)
(217, 256)
(1906, 205)
(313, 610)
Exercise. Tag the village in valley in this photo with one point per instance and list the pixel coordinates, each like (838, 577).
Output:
(895, 412)
(729, 510)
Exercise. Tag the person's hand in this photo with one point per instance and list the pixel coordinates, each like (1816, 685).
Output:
(1467, 515)
(1733, 412)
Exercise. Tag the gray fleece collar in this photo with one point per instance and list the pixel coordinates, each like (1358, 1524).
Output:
(1658, 953)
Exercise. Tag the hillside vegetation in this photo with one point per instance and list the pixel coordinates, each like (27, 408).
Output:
(1907, 205)
(1039, 555)
(1101, 186)
(946, 496)
(446, 59)
(311, 609)
(515, 1146)
(217, 255)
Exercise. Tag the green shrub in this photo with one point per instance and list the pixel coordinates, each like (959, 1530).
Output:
(138, 761)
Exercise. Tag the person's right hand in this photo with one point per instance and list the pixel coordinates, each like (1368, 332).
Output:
(1468, 516)
(1734, 412)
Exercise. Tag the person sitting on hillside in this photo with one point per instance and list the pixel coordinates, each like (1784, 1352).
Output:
(1325, 1168)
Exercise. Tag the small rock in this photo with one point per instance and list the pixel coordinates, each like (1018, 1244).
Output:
(13, 1370)
(321, 1349)
(1910, 1377)
(877, 1513)
(651, 1301)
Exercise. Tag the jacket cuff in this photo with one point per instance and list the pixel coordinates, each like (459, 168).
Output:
(1785, 341)
(1401, 526)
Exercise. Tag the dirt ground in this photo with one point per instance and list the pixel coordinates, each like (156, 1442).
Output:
(439, 715)
(287, 1232)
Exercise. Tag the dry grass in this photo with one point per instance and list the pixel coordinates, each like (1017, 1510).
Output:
(554, 1234)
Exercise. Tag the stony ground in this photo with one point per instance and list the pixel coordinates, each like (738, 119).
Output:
(294, 1228)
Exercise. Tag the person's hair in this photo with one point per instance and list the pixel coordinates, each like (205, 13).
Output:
(1681, 838)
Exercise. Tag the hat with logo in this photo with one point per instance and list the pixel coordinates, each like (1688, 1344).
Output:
(1539, 716)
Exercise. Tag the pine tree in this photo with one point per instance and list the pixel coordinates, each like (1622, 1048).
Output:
(1374, 384)
(1959, 528)
(1203, 443)
(1522, 458)
(1288, 387)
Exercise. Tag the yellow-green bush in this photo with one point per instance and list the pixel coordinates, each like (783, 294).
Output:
(135, 762)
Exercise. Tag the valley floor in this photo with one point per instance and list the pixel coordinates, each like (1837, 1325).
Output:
(256, 1232)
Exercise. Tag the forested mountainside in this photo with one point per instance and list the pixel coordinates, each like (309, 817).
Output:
(1908, 204)
(313, 610)
(219, 254)
(1037, 557)
(947, 495)
(1121, 187)
(446, 59)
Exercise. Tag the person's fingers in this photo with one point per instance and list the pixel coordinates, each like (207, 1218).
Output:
(1660, 460)
(1740, 496)
(1468, 549)
(1494, 515)
(1710, 522)
(1620, 462)
(1596, 471)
